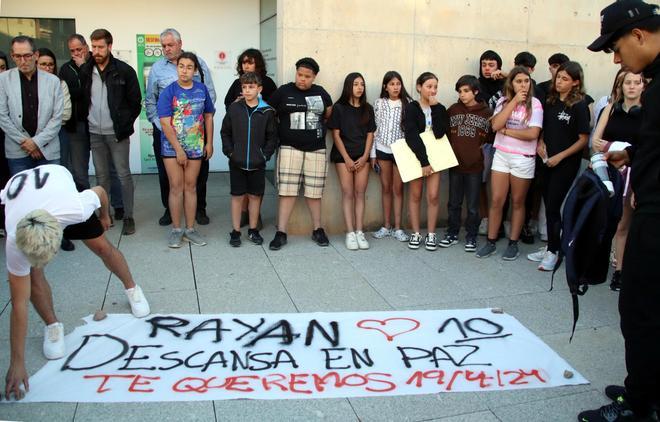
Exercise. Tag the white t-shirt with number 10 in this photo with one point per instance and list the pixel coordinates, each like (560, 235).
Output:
(49, 187)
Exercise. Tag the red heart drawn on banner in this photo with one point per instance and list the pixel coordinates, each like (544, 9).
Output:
(383, 322)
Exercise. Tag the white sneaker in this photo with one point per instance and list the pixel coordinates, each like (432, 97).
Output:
(139, 305)
(483, 227)
(382, 232)
(538, 255)
(351, 242)
(54, 341)
(400, 235)
(361, 240)
(549, 262)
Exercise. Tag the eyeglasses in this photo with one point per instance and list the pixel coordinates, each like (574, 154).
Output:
(19, 57)
(46, 64)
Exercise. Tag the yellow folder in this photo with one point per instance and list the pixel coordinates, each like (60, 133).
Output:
(441, 156)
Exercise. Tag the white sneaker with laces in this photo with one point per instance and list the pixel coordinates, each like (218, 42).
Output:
(361, 240)
(139, 305)
(382, 232)
(538, 255)
(483, 227)
(54, 341)
(549, 262)
(351, 242)
(400, 235)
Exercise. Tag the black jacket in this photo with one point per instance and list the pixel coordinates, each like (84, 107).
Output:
(249, 138)
(415, 123)
(645, 154)
(70, 73)
(124, 95)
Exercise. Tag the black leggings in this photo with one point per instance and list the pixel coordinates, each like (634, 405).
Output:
(557, 183)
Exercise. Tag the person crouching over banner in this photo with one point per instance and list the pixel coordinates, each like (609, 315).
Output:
(41, 205)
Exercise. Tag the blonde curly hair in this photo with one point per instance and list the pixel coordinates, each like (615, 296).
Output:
(38, 236)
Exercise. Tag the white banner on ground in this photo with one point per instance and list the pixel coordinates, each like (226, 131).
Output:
(292, 356)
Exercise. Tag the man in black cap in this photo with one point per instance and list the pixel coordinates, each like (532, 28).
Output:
(631, 30)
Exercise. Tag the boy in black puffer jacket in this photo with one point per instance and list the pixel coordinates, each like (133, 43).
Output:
(249, 139)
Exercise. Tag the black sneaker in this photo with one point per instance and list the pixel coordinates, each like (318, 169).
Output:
(448, 240)
(319, 237)
(526, 235)
(616, 281)
(278, 241)
(471, 245)
(166, 219)
(235, 238)
(255, 237)
(119, 214)
(613, 412)
(67, 245)
(201, 217)
(616, 393)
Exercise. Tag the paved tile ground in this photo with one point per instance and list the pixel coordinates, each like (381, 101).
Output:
(215, 278)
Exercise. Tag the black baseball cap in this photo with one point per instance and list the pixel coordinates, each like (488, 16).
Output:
(619, 16)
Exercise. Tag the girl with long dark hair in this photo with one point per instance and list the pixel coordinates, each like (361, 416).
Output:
(566, 127)
(389, 128)
(353, 125)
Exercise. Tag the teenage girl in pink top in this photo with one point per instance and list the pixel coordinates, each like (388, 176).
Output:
(517, 121)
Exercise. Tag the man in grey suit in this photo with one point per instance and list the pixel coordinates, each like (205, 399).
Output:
(31, 106)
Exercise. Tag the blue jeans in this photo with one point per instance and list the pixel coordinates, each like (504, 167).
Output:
(17, 165)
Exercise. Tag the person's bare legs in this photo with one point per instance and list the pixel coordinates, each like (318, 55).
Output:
(519, 188)
(499, 186)
(314, 206)
(414, 202)
(386, 191)
(237, 202)
(360, 181)
(284, 210)
(622, 233)
(112, 258)
(432, 201)
(346, 180)
(41, 296)
(254, 206)
(397, 190)
(175, 175)
(190, 173)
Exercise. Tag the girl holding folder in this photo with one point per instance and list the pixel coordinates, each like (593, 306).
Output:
(420, 116)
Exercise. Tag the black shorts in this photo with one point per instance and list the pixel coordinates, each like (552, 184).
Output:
(90, 229)
(252, 182)
(380, 155)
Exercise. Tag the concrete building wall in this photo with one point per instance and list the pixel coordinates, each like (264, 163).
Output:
(443, 36)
